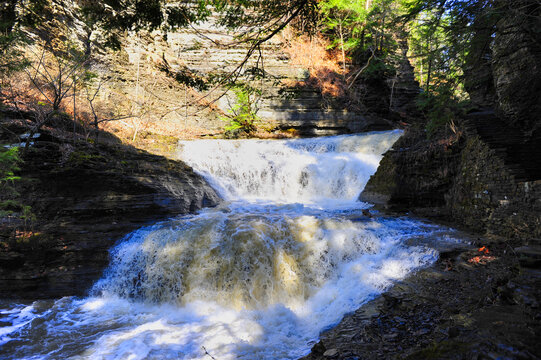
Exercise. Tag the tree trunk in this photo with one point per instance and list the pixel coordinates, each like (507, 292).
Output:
(74, 110)
(421, 73)
(429, 65)
(382, 36)
(342, 46)
(135, 124)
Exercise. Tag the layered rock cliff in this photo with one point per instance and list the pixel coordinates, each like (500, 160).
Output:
(85, 198)
(203, 52)
(487, 174)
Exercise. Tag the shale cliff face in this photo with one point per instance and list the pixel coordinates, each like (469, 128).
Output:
(85, 198)
(463, 180)
(415, 174)
(134, 86)
(503, 69)
(202, 52)
(486, 175)
(486, 196)
(516, 63)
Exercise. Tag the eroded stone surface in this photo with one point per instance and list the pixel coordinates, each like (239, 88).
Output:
(86, 198)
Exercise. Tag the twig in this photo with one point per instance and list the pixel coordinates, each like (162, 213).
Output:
(207, 353)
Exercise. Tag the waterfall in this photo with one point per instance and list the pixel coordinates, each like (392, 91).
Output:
(290, 171)
(258, 277)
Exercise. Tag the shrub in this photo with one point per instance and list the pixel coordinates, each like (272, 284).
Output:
(243, 113)
(9, 160)
(441, 109)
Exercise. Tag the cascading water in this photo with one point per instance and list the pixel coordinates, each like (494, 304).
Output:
(333, 169)
(287, 255)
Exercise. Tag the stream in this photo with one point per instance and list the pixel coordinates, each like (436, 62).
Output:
(286, 256)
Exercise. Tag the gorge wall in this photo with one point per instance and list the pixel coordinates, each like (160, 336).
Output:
(84, 199)
(287, 99)
(202, 52)
(487, 174)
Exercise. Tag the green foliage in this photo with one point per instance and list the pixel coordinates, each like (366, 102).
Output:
(441, 109)
(439, 35)
(9, 202)
(15, 208)
(27, 215)
(9, 207)
(443, 41)
(378, 69)
(357, 26)
(9, 165)
(441, 38)
(9, 160)
(343, 17)
(243, 112)
(81, 158)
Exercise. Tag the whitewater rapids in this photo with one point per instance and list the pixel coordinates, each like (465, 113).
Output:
(259, 277)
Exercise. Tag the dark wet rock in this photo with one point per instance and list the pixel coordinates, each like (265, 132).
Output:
(503, 65)
(453, 331)
(468, 180)
(415, 174)
(529, 256)
(331, 353)
(516, 62)
(11, 260)
(404, 88)
(86, 198)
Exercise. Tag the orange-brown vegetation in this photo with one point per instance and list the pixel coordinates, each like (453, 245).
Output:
(136, 116)
(323, 65)
(482, 259)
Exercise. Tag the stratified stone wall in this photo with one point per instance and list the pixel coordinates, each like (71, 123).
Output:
(415, 174)
(85, 199)
(203, 52)
(465, 182)
(486, 197)
(516, 63)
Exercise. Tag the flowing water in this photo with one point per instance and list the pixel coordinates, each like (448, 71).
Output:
(259, 277)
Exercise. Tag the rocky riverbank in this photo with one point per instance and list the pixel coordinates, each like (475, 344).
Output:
(83, 198)
(477, 302)
(466, 179)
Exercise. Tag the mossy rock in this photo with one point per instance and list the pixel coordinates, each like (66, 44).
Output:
(439, 350)
(80, 158)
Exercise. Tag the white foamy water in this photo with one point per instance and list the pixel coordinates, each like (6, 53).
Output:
(258, 277)
(319, 170)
